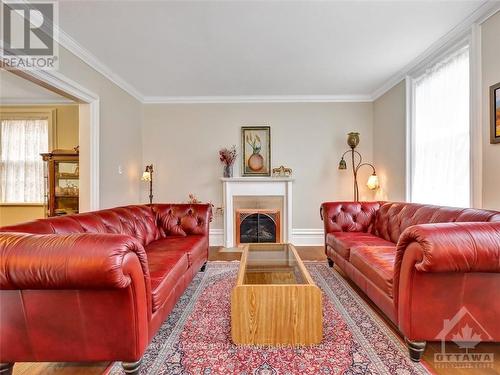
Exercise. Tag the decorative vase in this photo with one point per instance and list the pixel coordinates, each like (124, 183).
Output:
(353, 139)
(228, 171)
(256, 162)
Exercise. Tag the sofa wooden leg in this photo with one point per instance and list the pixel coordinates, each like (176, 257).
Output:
(204, 267)
(6, 368)
(330, 262)
(132, 368)
(416, 349)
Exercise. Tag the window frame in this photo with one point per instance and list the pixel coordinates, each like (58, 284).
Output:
(26, 114)
(471, 39)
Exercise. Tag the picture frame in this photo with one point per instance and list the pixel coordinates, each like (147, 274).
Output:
(495, 113)
(256, 151)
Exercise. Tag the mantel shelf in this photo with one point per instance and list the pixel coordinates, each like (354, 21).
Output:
(256, 179)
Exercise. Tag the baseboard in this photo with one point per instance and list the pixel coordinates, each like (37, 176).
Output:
(307, 237)
(216, 237)
(300, 237)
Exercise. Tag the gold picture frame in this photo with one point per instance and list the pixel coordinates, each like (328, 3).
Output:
(495, 113)
(256, 151)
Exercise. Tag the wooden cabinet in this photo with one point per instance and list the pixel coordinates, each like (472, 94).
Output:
(62, 182)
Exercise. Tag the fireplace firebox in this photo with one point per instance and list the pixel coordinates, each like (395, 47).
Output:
(258, 226)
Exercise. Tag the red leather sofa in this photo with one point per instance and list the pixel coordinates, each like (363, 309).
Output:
(96, 286)
(419, 264)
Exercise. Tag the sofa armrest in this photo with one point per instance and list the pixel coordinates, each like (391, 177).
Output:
(442, 268)
(348, 216)
(74, 261)
(453, 247)
(183, 219)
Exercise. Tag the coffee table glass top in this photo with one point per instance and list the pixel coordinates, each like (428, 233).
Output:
(273, 264)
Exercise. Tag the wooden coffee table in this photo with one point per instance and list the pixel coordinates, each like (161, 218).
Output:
(275, 300)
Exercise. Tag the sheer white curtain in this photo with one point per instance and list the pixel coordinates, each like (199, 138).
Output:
(21, 168)
(441, 133)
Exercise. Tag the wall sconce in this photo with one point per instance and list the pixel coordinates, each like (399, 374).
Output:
(147, 176)
(373, 182)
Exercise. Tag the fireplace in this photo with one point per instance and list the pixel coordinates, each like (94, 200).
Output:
(258, 226)
(256, 193)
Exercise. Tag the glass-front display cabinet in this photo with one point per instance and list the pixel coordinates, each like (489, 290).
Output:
(62, 182)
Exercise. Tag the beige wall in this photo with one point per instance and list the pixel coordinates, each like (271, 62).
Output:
(389, 128)
(490, 64)
(182, 141)
(119, 138)
(67, 126)
(119, 133)
(389, 143)
(14, 214)
(67, 138)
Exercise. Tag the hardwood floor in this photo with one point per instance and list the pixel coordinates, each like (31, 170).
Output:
(306, 253)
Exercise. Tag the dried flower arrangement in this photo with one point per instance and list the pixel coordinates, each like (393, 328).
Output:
(193, 199)
(228, 156)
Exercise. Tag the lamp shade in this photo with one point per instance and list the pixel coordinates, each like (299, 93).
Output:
(342, 164)
(373, 182)
(146, 176)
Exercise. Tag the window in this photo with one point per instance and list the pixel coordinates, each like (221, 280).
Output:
(21, 166)
(440, 133)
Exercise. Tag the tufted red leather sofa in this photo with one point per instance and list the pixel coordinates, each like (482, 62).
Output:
(96, 286)
(420, 264)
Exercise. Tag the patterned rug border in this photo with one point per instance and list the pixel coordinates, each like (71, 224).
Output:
(381, 323)
(157, 353)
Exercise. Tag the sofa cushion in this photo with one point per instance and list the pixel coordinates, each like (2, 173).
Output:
(166, 267)
(194, 246)
(168, 259)
(342, 242)
(376, 263)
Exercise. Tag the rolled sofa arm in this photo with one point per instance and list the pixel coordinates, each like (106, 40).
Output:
(348, 216)
(73, 261)
(453, 247)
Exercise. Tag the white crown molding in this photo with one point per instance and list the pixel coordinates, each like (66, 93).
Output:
(481, 14)
(35, 101)
(83, 54)
(256, 99)
(67, 42)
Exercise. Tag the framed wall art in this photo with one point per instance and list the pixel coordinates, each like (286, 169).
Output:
(495, 113)
(256, 149)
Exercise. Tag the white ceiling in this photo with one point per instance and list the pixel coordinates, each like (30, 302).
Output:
(16, 90)
(255, 48)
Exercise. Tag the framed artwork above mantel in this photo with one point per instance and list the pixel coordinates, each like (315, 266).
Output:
(495, 113)
(256, 150)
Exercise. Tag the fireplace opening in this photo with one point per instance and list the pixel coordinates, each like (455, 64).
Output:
(258, 226)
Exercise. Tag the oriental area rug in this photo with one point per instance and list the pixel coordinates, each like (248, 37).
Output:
(196, 338)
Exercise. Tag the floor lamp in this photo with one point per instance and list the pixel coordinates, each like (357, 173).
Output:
(357, 162)
(147, 176)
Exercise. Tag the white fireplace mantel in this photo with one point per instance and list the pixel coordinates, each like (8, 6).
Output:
(256, 186)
